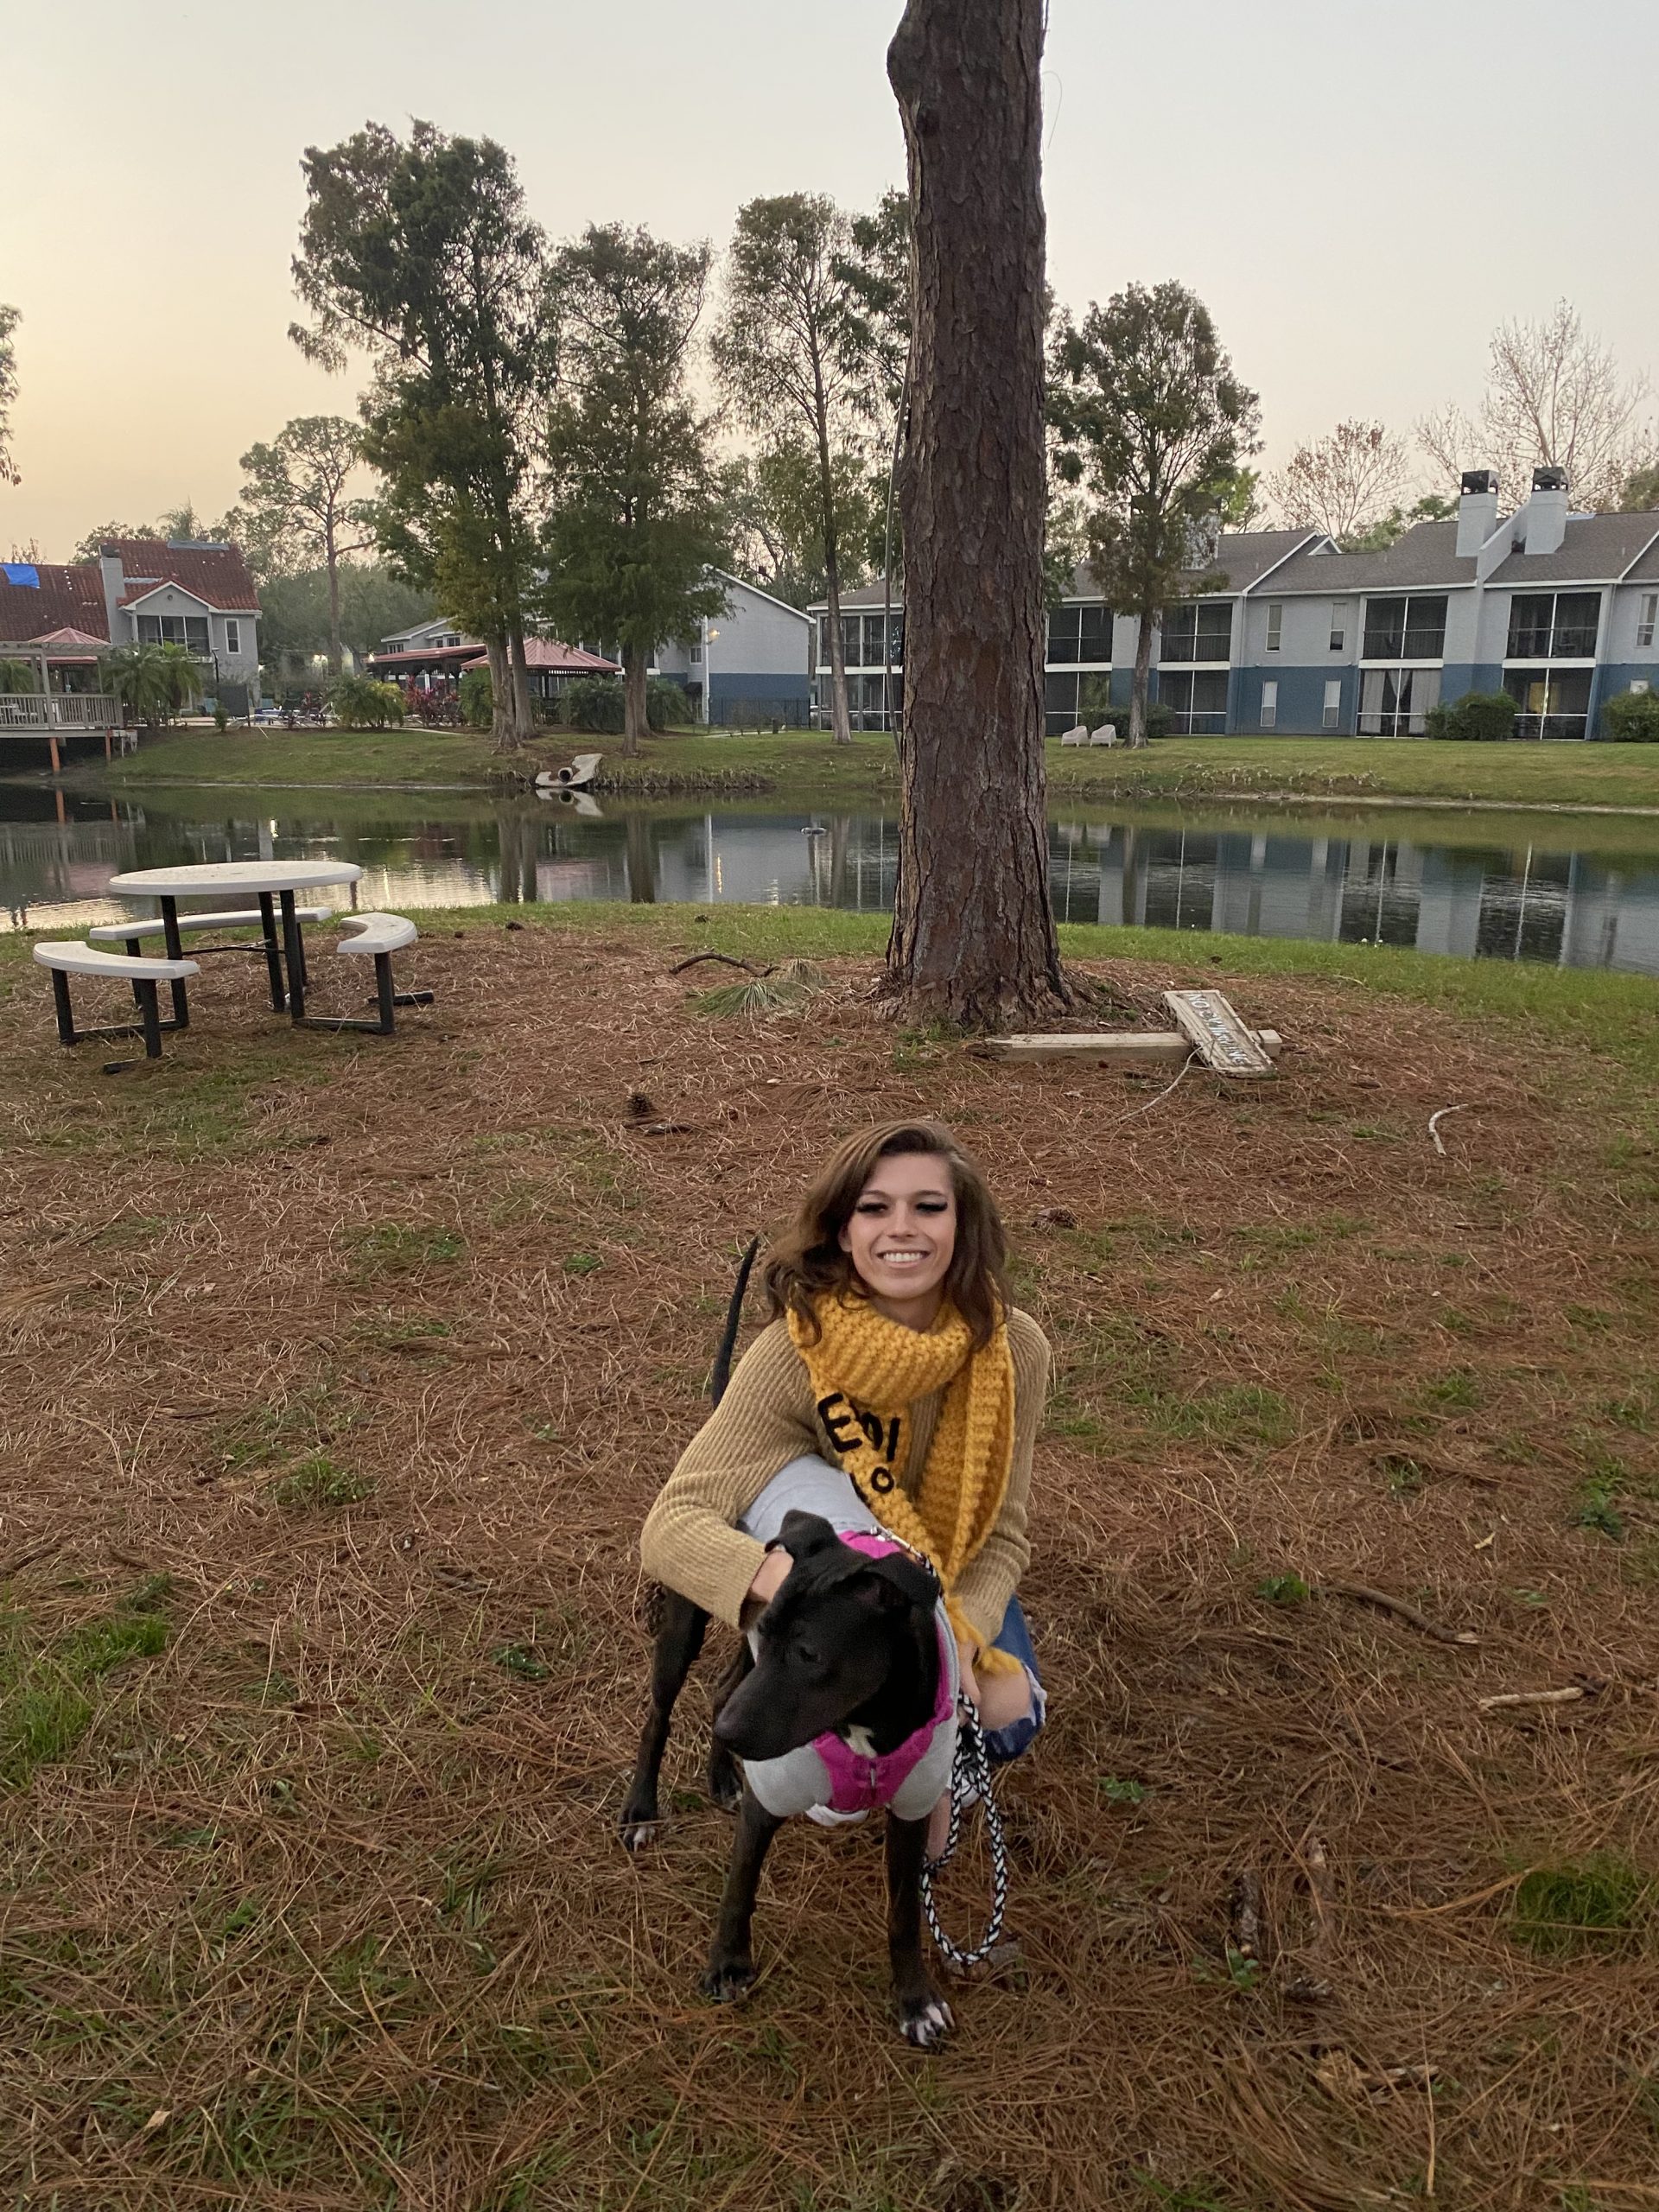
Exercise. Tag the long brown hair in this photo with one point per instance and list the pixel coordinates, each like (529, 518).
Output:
(808, 1261)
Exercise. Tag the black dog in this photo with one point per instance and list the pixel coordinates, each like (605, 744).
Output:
(849, 1642)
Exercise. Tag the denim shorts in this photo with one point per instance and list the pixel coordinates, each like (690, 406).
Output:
(1015, 1638)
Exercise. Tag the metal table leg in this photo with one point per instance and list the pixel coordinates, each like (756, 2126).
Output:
(294, 950)
(273, 952)
(176, 951)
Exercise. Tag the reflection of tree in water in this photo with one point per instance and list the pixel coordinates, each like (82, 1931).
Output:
(518, 844)
(642, 861)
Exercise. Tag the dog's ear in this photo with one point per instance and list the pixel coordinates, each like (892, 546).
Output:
(901, 1579)
(806, 1535)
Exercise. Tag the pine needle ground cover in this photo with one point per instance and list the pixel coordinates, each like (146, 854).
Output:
(338, 1374)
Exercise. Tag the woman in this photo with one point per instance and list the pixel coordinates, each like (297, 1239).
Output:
(893, 1354)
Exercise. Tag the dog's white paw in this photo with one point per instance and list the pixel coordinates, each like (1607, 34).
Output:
(639, 1835)
(929, 2024)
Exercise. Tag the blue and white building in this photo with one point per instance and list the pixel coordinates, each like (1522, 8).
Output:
(1558, 609)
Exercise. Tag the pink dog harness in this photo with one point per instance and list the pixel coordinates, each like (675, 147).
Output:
(859, 1783)
(830, 1772)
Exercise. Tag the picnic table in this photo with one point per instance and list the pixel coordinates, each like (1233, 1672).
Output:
(272, 883)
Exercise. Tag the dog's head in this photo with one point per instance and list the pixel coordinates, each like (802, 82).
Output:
(845, 1637)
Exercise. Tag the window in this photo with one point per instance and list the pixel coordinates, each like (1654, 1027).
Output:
(850, 641)
(1198, 699)
(696, 654)
(1551, 703)
(1201, 630)
(1275, 626)
(232, 636)
(1338, 635)
(1333, 702)
(1269, 705)
(1649, 616)
(1405, 629)
(1394, 701)
(189, 631)
(1059, 703)
(1554, 626)
(1080, 633)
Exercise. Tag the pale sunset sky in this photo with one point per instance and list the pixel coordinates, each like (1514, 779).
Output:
(1359, 192)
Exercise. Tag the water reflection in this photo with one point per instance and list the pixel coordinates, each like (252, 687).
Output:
(1472, 892)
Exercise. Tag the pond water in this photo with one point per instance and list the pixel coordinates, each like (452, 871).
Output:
(1502, 885)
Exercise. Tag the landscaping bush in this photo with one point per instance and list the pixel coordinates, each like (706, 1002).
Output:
(477, 699)
(666, 705)
(1479, 717)
(1160, 720)
(361, 704)
(1632, 718)
(595, 702)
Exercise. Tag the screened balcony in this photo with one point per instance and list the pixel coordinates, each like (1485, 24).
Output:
(1554, 626)
(1407, 627)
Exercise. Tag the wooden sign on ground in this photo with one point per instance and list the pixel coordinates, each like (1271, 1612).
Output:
(1208, 1024)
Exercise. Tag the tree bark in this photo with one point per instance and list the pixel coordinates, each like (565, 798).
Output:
(635, 724)
(1142, 676)
(973, 933)
(332, 558)
(840, 719)
(523, 713)
(504, 735)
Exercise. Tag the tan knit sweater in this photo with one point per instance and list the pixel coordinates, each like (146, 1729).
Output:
(690, 1540)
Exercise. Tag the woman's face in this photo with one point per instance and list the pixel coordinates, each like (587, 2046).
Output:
(902, 1233)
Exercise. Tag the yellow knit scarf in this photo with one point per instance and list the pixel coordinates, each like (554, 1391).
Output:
(867, 1371)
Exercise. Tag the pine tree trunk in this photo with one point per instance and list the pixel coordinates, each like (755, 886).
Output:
(635, 663)
(840, 721)
(333, 608)
(973, 933)
(1142, 676)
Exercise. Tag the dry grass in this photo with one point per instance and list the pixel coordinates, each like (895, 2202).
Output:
(318, 1905)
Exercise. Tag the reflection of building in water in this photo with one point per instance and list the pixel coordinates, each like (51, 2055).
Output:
(1530, 904)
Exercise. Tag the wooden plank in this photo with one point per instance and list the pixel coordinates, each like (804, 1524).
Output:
(1215, 1031)
(1159, 1048)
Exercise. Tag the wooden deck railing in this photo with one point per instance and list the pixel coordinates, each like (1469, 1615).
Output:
(26, 710)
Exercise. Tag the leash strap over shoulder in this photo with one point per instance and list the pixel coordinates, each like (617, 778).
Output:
(970, 1772)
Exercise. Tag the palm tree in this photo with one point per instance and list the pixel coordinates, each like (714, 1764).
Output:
(153, 681)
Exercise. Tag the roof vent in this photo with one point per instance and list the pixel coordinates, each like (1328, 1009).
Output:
(1479, 480)
(1549, 480)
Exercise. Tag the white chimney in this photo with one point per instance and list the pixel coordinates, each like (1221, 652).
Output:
(1543, 520)
(115, 583)
(1476, 511)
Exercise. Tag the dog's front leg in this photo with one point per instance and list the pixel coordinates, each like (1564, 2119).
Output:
(725, 1781)
(731, 1960)
(679, 1639)
(922, 2013)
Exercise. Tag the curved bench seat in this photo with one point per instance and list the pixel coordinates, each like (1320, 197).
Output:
(153, 926)
(377, 934)
(68, 957)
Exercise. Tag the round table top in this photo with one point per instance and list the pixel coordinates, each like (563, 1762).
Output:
(208, 877)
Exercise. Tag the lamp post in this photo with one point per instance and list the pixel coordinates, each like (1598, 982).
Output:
(708, 637)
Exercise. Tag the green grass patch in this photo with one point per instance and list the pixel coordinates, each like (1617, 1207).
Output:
(318, 1481)
(1600, 1902)
(45, 1701)
(397, 1247)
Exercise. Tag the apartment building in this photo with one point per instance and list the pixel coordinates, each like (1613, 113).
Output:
(1559, 609)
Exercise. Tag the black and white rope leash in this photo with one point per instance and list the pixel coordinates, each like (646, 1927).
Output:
(970, 1772)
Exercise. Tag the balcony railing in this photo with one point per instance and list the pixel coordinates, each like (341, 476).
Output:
(1404, 644)
(59, 710)
(1567, 641)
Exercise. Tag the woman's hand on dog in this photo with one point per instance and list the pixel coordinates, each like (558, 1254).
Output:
(969, 1680)
(769, 1578)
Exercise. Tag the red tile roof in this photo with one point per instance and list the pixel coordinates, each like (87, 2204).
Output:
(70, 597)
(216, 573)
